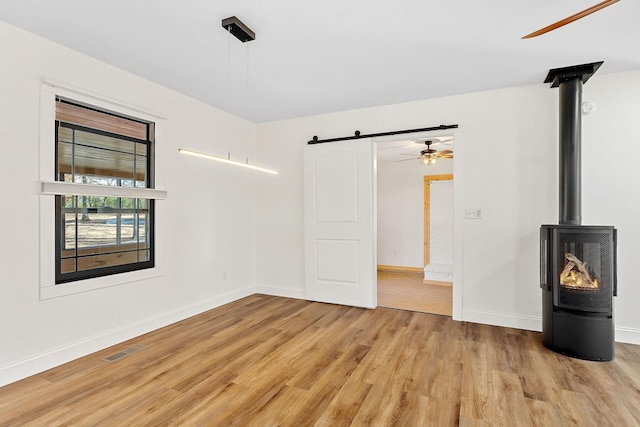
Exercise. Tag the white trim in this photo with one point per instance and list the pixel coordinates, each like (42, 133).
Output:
(281, 291)
(93, 97)
(458, 227)
(56, 357)
(507, 320)
(628, 335)
(374, 222)
(76, 189)
(48, 288)
(534, 323)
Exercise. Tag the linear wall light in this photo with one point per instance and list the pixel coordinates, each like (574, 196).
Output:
(228, 161)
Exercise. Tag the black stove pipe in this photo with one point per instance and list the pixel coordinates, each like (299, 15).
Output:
(569, 80)
(570, 191)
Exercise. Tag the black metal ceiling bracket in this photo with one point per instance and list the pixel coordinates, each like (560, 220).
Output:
(358, 135)
(238, 29)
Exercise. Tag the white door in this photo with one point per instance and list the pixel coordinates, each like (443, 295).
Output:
(339, 210)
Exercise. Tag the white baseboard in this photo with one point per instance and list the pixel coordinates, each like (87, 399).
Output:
(530, 323)
(59, 356)
(280, 291)
(628, 335)
(623, 335)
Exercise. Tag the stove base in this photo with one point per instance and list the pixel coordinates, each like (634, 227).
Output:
(576, 335)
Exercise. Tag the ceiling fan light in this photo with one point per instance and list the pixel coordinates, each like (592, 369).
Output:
(428, 159)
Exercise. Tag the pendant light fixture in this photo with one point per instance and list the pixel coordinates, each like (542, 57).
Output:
(243, 33)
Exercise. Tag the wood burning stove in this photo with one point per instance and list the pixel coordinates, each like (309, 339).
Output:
(577, 263)
(578, 278)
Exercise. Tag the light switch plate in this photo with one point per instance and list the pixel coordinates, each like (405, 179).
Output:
(473, 213)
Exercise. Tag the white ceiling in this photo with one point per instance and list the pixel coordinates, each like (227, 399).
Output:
(313, 57)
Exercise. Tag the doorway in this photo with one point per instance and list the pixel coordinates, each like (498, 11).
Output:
(408, 219)
(438, 229)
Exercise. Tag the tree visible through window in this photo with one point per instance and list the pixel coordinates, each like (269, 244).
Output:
(102, 235)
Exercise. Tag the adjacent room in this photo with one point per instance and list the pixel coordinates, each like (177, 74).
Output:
(415, 223)
(200, 199)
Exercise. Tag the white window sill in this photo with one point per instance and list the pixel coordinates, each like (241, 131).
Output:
(74, 189)
(87, 285)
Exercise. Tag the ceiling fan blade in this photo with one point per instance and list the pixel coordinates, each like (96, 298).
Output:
(442, 152)
(404, 160)
(571, 18)
(447, 156)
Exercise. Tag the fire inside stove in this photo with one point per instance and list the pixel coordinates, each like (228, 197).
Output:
(575, 275)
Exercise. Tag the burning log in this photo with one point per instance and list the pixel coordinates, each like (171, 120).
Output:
(575, 274)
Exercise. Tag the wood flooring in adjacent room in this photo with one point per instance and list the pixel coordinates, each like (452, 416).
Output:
(271, 361)
(409, 292)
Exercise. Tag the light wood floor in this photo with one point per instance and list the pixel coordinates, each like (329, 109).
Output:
(271, 361)
(409, 292)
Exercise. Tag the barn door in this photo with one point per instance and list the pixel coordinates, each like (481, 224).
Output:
(339, 210)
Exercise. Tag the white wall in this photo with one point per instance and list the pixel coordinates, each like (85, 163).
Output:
(208, 220)
(611, 182)
(506, 164)
(401, 210)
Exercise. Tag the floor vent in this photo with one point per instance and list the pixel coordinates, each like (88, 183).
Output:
(123, 353)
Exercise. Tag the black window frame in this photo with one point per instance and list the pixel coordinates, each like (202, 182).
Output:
(75, 276)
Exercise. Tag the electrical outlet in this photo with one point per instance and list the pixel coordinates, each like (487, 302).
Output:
(473, 213)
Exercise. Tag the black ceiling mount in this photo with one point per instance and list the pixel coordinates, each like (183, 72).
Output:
(584, 72)
(238, 29)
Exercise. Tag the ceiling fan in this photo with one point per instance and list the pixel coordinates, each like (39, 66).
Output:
(571, 18)
(429, 156)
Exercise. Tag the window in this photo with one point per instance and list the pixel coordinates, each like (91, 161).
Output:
(100, 235)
